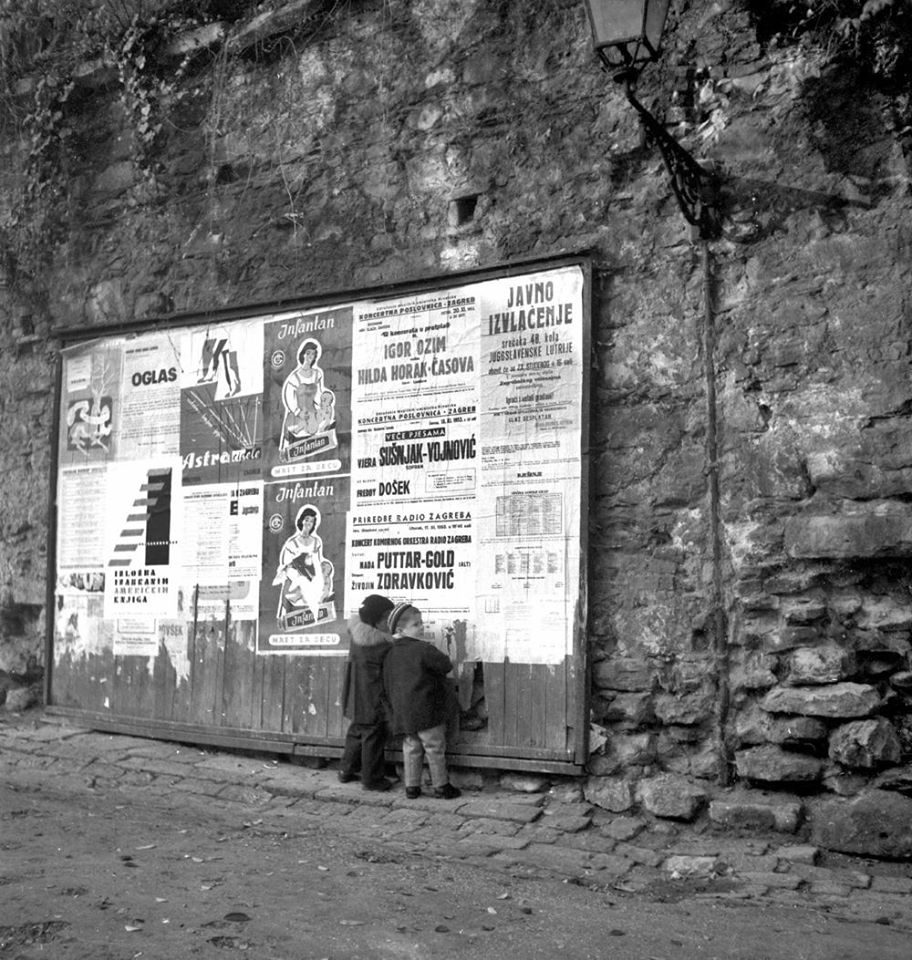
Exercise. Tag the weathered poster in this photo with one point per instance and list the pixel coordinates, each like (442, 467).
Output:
(223, 603)
(90, 413)
(221, 404)
(304, 564)
(307, 393)
(79, 627)
(530, 431)
(142, 541)
(415, 408)
(150, 391)
(135, 637)
(81, 498)
(222, 533)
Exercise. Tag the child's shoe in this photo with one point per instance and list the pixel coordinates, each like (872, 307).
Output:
(447, 792)
(381, 786)
(346, 777)
(413, 793)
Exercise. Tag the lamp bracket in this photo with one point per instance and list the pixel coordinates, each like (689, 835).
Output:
(695, 188)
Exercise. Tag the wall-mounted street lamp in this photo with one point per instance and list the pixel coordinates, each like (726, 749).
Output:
(627, 35)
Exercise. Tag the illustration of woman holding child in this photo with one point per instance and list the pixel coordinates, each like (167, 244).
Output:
(301, 563)
(304, 395)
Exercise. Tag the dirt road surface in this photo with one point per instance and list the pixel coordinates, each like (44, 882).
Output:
(88, 874)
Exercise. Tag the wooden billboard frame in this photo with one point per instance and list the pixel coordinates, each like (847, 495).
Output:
(491, 756)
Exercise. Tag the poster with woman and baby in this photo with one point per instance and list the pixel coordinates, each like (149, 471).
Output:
(307, 393)
(307, 456)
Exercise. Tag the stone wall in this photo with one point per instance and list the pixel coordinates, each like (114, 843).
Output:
(311, 147)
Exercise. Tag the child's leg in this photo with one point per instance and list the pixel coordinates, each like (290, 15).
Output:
(373, 749)
(350, 764)
(434, 742)
(412, 756)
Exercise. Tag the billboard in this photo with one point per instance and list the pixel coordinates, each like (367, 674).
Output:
(279, 466)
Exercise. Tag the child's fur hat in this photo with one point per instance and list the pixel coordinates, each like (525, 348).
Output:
(373, 609)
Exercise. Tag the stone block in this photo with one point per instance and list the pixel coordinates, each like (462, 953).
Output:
(886, 613)
(631, 708)
(865, 744)
(603, 765)
(623, 828)
(752, 725)
(790, 637)
(772, 764)
(568, 791)
(796, 730)
(876, 528)
(754, 810)
(900, 885)
(684, 708)
(679, 866)
(856, 879)
(622, 673)
(829, 663)
(609, 794)
(780, 881)
(802, 610)
(875, 824)
(834, 700)
(671, 796)
(636, 748)
(799, 853)
(501, 810)
(753, 675)
(524, 783)
(567, 823)
(837, 780)
(21, 698)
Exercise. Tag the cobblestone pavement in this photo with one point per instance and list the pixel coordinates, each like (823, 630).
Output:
(516, 833)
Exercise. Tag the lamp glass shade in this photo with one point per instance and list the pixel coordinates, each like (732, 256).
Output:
(628, 31)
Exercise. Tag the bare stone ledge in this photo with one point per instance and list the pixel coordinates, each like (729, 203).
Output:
(875, 824)
(772, 764)
(877, 528)
(754, 810)
(833, 700)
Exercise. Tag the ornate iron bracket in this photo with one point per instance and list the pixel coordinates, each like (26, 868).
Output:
(695, 188)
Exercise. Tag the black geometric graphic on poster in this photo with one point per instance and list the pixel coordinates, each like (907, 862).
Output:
(158, 523)
(149, 523)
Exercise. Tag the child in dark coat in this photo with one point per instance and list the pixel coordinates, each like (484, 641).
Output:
(414, 676)
(363, 699)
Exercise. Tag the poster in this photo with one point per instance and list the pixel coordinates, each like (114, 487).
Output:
(91, 404)
(307, 393)
(532, 370)
(415, 406)
(150, 398)
(304, 564)
(279, 467)
(142, 541)
(221, 404)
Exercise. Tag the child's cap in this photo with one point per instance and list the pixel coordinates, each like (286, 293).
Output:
(373, 608)
(397, 614)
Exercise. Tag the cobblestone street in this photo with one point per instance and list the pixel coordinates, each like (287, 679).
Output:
(503, 840)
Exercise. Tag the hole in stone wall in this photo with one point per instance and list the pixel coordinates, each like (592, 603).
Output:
(462, 210)
(226, 174)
